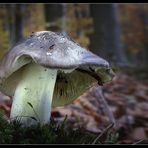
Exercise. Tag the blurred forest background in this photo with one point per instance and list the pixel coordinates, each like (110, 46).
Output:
(117, 32)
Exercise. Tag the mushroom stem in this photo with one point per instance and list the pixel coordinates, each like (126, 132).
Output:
(33, 95)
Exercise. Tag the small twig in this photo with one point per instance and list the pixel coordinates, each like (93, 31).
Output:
(138, 142)
(104, 102)
(103, 132)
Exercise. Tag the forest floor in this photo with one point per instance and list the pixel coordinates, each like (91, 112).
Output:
(127, 97)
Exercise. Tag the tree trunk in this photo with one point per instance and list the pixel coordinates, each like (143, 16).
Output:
(145, 29)
(15, 22)
(105, 41)
(53, 12)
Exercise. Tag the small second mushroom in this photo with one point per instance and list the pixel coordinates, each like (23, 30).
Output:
(48, 69)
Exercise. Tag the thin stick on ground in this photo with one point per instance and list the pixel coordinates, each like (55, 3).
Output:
(103, 132)
(101, 98)
(138, 142)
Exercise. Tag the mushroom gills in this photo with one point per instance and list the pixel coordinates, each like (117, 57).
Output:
(69, 86)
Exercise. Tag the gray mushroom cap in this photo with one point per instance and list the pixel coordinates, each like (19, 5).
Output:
(77, 67)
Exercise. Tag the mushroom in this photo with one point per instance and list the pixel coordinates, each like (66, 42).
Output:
(48, 69)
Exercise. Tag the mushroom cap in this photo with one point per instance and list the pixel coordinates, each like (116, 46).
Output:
(77, 67)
